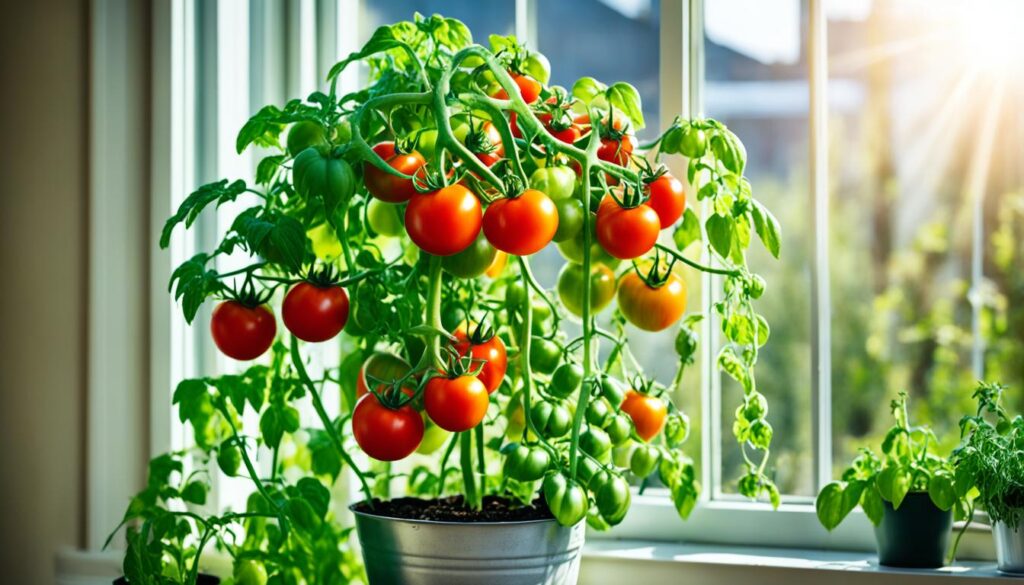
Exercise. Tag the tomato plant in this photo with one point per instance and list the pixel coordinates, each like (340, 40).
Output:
(422, 198)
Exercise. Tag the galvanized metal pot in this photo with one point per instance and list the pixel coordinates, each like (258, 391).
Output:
(1009, 548)
(423, 552)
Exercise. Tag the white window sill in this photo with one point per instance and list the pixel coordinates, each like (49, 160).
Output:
(614, 562)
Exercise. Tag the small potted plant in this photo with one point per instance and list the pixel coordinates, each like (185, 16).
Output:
(402, 218)
(907, 493)
(990, 464)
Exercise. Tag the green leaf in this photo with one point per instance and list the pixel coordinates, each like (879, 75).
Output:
(893, 484)
(625, 97)
(688, 230)
(193, 284)
(193, 205)
(587, 88)
(831, 506)
(303, 515)
(383, 39)
(454, 34)
(871, 503)
(193, 400)
(731, 364)
(325, 459)
(316, 494)
(766, 226)
(941, 491)
(684, 498)
(274, 236)
(265, 126)
(720, 234)
(195, 493)
(267, 168)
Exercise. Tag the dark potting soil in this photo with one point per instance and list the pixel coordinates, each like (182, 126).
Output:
(452, 509)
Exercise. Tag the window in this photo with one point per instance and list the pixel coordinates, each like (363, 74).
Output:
(889, 151)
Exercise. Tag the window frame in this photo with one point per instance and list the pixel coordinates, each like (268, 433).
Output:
(175, 350)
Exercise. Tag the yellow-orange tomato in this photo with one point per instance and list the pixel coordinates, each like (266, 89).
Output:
(652, 308)
(498, 265)
(648, 413)
(456, 404)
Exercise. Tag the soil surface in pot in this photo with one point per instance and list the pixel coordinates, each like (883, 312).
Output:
(451, 509)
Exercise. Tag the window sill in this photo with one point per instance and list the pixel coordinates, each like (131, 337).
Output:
(613, 562)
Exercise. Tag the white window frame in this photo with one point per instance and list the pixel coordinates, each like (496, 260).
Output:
(119, 365)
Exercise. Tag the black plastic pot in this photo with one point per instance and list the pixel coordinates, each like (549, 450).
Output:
(915, 536)
(200, 580)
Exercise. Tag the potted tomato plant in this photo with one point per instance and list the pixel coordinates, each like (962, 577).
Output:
(989, 465)
(908, 494)
(402, 217)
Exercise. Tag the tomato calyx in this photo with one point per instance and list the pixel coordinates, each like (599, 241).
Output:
(646, 387)
(459, 365)
(326, 277)
(628, 197)
(392, 394)
(481, 333)
(649, 174)
(655, 277)
(247, 295)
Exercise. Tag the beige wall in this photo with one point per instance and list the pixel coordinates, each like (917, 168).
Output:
(43, 207)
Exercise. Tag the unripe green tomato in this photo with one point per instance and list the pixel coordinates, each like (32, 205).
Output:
(598, 412)
(304, 134)
(524, 463)
(693, 143)
(672, 141)
(545, 355)
(433, 437)
(452, 316)
(515, 295)
(586, 470)
(570, 219)
(326, 245)
(566, 380)
(551, 419)
(250, 572)
(572, 249)
(557, 182)
(384, 218)
(570, 287)
(619, 429)
(644, 460)
(426, 143)
(473, 261)
(612, 497)
(542, 317)
(621, 453)
(613, 391)
(565, 498)
(342, 133)
(596, 443)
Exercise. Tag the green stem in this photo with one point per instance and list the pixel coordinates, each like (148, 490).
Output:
(251, 469)
(588, 326)
(678, 256)
(468, 474)
(434, 308)
(325, 419)
(444, 463)
(481, 462)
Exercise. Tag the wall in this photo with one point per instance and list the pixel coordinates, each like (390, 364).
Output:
(43, 208)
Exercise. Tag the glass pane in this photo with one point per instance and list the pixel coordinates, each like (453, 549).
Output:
(496, 17)
(756, 83)
(609, 40)
(923, 118)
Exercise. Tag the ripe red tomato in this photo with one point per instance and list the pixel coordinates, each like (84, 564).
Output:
(626, 233)
(488, 147)
(648, 413)
(388, 187)
(313, 313)
(241, 332)
(384, 433)
(493, 354)
(617, 151)
(652, 309)
(456, 404)
(529, 88)
(385, 367)
(522, 225)
(444, 222)
(667, 198)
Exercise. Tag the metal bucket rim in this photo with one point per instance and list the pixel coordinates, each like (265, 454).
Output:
(352, 508)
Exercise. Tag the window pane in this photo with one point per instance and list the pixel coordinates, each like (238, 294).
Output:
(756, 83)
(609, 40)
(921, 120)
(496, 17)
